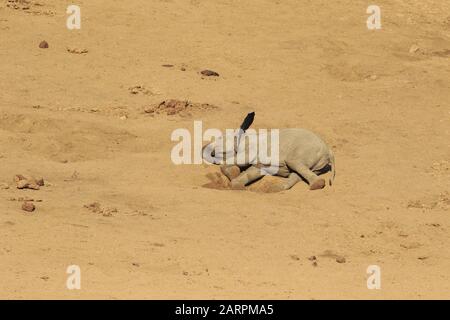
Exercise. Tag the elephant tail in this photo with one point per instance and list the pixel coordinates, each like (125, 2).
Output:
(333, 168)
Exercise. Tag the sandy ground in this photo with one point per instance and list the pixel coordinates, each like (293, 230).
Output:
(380, 98)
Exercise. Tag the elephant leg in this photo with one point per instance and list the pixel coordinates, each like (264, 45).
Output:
(313, 179)
(246, 177)
(287, 183)
(230, 171)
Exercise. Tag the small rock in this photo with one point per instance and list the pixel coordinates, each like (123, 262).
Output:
(22, 184)
(28, 206)
(43, 45)
(94, 207)
(312, 258)
(77, 51)
(209, 73)
(28, 182)
(149, 109)
(19, 177)
(340, 260)
(139, 89)
(40, 182)
(109, 212)
(167, 65)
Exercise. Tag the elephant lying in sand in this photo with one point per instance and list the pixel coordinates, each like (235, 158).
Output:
(302, 154)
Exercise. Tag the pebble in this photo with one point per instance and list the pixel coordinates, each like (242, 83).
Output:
(43, 45)
(209, 73)
(28, 206)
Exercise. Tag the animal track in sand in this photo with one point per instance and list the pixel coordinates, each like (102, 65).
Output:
(441, 201)
(96, 207)
(177, 107)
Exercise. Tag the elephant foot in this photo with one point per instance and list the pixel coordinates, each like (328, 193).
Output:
(318, 184)
(231, 172)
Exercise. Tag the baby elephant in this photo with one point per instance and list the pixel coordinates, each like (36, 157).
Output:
(301, 154)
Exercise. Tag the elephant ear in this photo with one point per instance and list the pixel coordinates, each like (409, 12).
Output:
(248, 121)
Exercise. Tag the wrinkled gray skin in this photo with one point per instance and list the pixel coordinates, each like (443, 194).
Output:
(302, 154)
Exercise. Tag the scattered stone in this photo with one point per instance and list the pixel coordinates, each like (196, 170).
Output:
(314, 264)
(183, 69)
(294, 257)
(22, 184)
(330, 254)
(209, 73)
(94, 207)
(77, 51)
(26, 199)
(28, 206)
(422, 258)
(139, 90)
(340, 260)
(312, 258)
(109, 212)
(28, 182)
(43, 45)
(40, 182)
(436, 225)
